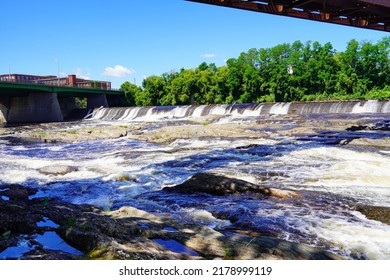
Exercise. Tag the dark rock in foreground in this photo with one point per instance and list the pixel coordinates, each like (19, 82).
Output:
(130, 233)
(221, 185)
(378, 213)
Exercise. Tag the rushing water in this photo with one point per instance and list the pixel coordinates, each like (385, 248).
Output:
(114, 173)
(246, 110)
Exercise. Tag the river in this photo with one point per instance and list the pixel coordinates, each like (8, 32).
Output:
(111, 173)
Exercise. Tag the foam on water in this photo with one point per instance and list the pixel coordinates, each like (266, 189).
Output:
(205, 218)
(196, 144)
(20, 170)
(359, 174)
(3, 142)
(351, 234)
(370, 240)
(115, 173)
(218, 144)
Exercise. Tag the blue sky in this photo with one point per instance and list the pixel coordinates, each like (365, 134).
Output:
(127, 40)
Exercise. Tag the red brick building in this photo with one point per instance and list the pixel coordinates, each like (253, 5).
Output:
(70, 81)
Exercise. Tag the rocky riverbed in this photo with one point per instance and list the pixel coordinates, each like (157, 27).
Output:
(344, 127)
(130, 233)
(150, 224)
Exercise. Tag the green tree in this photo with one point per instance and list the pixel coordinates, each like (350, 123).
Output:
(131, 91)
(286, 72)
(154, 90)
(234, 80)
(219, 89)
(349, 85)
(169, 98)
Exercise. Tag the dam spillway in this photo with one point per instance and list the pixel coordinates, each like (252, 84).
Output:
(241, 110)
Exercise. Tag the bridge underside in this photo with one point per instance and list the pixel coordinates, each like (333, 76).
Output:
(370, 14)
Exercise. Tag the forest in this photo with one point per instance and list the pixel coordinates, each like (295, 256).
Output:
(287, 72)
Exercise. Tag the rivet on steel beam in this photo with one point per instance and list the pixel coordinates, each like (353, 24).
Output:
(325, 16)
(363, 22)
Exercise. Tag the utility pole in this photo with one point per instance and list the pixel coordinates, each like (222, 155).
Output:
(58, 71)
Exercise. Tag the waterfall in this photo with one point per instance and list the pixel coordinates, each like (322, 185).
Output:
(386, 107)
(280, 109)
(199, 111)
(239, 110)
(370, 106)
(246, 110)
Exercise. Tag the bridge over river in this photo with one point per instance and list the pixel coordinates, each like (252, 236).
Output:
(369, 14)
(22, 102)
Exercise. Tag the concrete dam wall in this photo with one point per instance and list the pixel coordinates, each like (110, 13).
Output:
(249, 110)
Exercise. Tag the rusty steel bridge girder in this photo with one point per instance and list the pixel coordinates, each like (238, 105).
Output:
(369, 14)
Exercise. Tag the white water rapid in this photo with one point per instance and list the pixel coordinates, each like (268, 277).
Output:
(332, 178)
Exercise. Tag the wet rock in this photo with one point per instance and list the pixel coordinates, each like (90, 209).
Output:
(213, 243)
(358, 127)
(279, 193)
(378, 213)
(233, 215)
(58, 169)
(16, 218)
(15, 192)
(122, 234)
(220, 185)
(15, 215)
(383, 125)
(44, 254)
(383, 143)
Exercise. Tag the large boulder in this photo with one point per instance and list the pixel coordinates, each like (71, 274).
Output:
(221, 185)
(58, 169)
(378, 213)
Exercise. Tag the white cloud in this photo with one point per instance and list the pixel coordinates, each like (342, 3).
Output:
(117, 71)
(208, 55)
(83, 74)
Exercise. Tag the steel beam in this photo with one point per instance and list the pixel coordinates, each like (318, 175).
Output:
(369, 14)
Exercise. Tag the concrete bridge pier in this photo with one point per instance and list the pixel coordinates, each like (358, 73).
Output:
(68, 105)
(97, 100)
(34, 108)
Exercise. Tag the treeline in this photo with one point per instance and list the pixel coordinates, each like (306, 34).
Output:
(286, 72)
